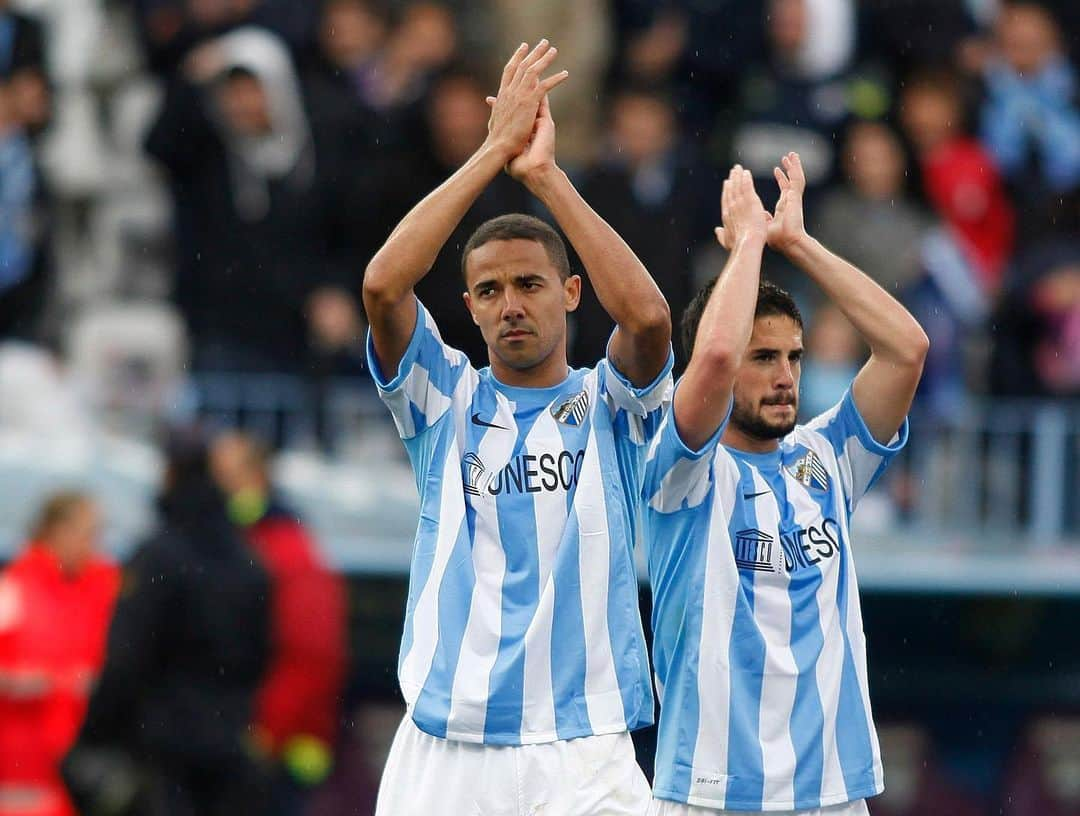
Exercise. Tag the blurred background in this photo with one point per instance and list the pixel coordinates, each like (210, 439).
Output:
(189, 193)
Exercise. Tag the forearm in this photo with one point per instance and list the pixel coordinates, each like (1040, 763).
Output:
(622, 284)
(884, 324)
(415, 243)
(728, 319)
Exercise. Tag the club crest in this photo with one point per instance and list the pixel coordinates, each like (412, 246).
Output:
(810, 472)
(572, 411)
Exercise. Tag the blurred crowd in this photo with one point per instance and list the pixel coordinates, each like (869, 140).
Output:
(197, 185)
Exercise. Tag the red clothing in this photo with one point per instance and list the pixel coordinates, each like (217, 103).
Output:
(53, 630)
(301, 693)
(965, 188)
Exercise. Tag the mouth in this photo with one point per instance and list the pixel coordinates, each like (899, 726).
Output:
(515, 334)
(785, 405)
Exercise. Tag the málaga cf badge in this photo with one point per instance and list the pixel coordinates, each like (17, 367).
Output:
(572, 411)
(809, 472)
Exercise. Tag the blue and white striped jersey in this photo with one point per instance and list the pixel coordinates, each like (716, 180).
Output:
(522, 622)
(759, 652)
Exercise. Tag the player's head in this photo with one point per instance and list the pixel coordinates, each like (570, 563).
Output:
(766, 387)
(518, 288)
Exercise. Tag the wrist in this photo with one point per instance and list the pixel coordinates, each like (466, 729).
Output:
(496, 149)
(752, 238)
(798, 246)
(542, 180)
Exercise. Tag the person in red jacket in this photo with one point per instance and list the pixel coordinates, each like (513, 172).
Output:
(56, 600)
(299, 703)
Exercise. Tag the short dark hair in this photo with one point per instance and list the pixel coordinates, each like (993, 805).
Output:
(771, 300)
(519, 226)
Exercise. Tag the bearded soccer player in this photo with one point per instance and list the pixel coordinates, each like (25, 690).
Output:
(759, 652)
(523, 663)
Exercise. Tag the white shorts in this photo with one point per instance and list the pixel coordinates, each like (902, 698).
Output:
(588, 776)
(661, 807)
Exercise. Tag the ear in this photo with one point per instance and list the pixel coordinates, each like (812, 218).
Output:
(572, 292)
(468, 305)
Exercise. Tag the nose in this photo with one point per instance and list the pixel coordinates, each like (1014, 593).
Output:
(785, 377)
(512, 305)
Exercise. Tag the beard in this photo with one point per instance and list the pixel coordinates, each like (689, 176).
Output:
(752, 423)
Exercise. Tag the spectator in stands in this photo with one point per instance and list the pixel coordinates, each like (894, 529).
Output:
(23, 70)
(456, 125)
(21, 277)
(650, 189)
(264, 219)
(698, 50)
(1030, 120)
(801, 99)
(1037, 342)
(186, 652)
(1045, 773)
(871, 220)
(298, 707)
(56, 598)
(350, 36)
(583, 30)
(171, 29)
(959, 177)
(965, 258)
(424, 41)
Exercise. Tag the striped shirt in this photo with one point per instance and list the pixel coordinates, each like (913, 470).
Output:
(522, 621)
(759, 653)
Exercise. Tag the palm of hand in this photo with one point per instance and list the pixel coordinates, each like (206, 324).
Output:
(786, 225)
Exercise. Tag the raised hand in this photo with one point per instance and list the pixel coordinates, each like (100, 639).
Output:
(522, 89)
(539, 154)
(787, 228)
(741, 209)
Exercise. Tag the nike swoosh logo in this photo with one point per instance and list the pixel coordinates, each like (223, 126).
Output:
(755, 495)
(477, 421)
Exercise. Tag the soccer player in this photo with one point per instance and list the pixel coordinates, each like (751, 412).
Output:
(759, 652)
(523, 662)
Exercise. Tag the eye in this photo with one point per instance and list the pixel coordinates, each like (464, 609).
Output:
(796, 356)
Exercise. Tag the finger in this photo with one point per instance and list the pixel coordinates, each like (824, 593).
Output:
(722, 237)
(542, 64)
(530, 58)
(512, 64)
(725, 204)
(795, 172)
(553, 81)
(490, 101)
(781, 180)
(544, 111)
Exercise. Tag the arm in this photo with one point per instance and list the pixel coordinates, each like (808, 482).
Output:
(641, 344)
(704, 393)
(414, 244)
(884, 388)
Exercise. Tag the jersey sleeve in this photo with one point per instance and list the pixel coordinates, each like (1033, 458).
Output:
(420, 392)
(676, 476)
(861, 459)
(636, 412)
